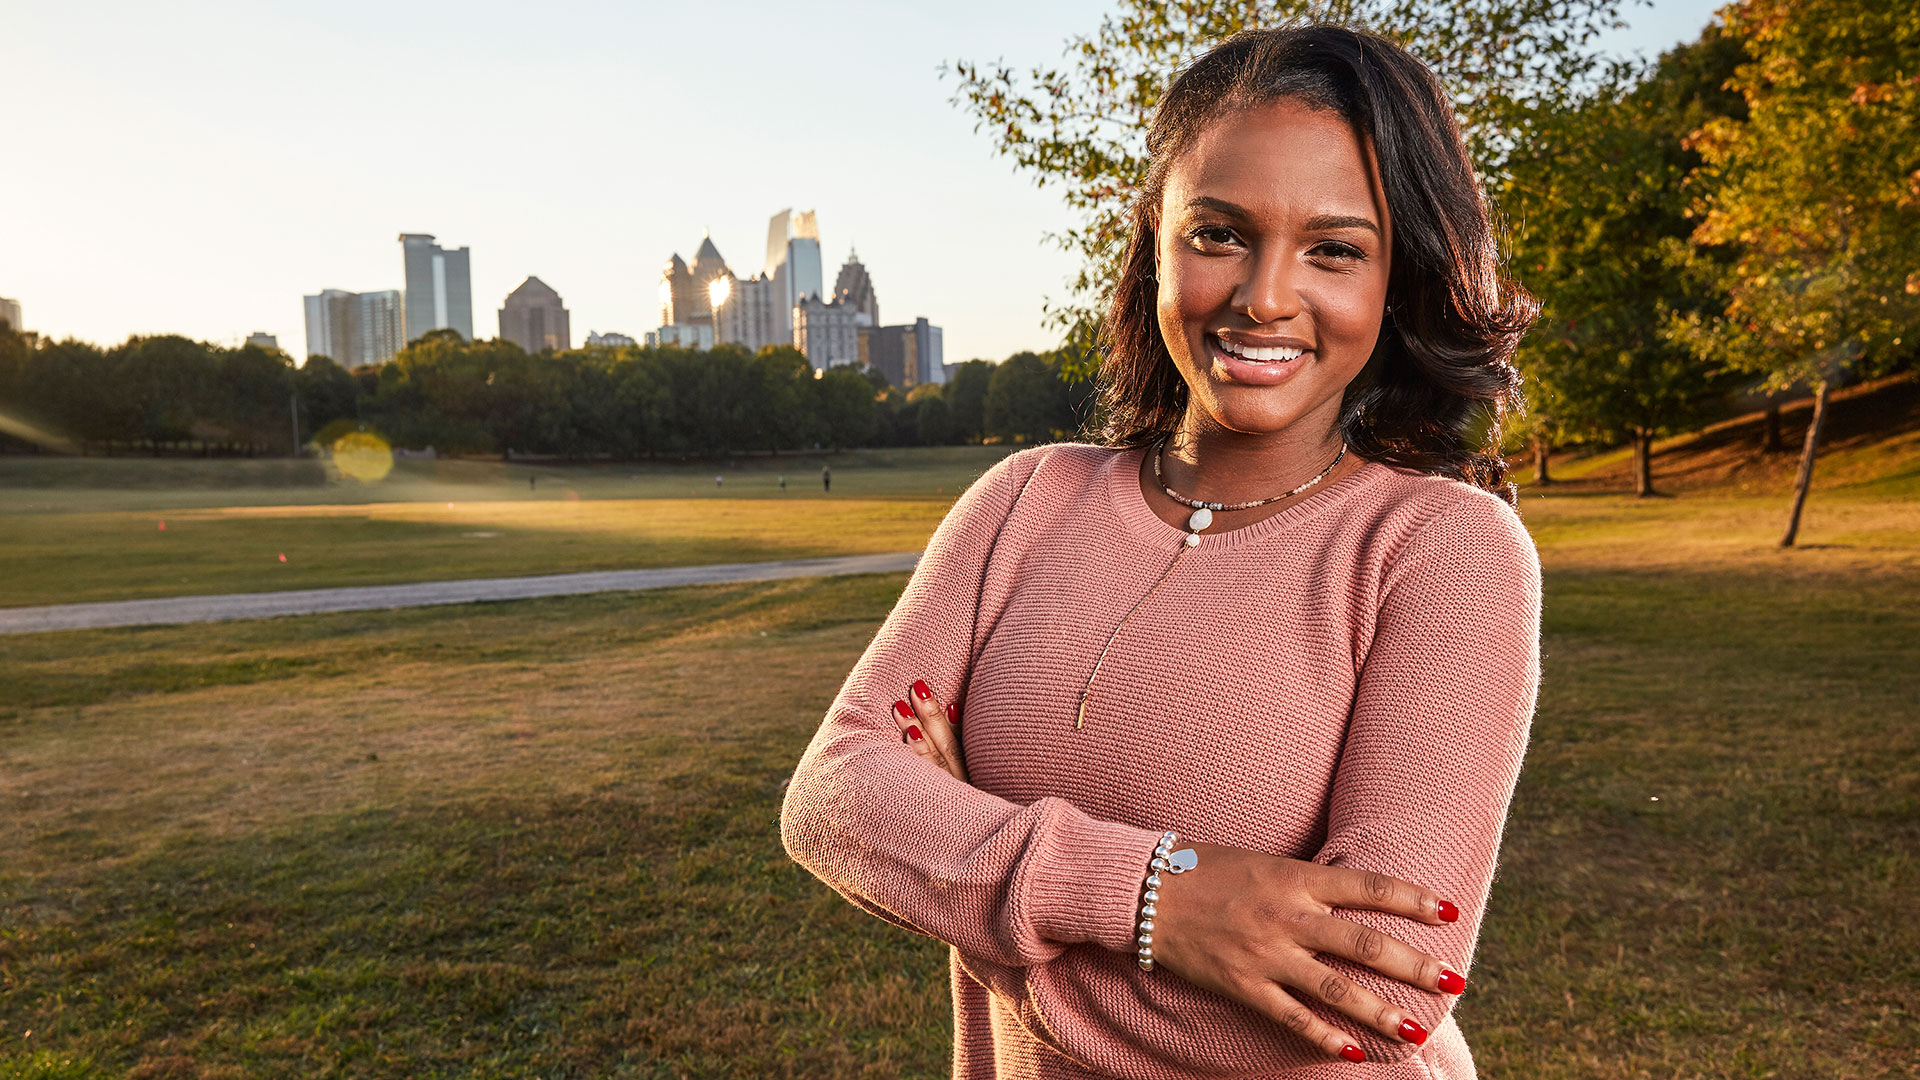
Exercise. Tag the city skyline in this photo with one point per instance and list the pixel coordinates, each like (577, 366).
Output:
(183, 142)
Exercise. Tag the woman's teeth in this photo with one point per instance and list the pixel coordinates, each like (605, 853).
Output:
(1245, 353)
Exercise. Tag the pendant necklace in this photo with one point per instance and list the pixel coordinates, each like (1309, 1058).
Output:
(1197, 522)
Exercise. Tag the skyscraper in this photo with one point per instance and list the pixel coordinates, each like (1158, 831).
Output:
(684, 299)
(909, 354)
(793, 256)
(354, 329)
(752, 314)
(10, 313)
(827, 333)
(439, 287)
(853, 287)
(535, 319)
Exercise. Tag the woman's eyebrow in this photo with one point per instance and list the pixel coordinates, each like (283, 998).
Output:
(1208, 202)
(1316, 223)
(1326, 222)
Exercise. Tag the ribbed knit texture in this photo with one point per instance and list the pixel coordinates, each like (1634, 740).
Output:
(1350, 681)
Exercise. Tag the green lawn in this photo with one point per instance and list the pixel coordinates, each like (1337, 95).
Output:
(538, 838)
(76, 530)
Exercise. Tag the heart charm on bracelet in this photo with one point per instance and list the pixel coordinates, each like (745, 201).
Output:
(1183, 860)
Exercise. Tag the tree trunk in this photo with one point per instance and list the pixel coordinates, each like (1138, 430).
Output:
(1643, 462)
(1770, 442)
(1807, 453)
(1541, 446)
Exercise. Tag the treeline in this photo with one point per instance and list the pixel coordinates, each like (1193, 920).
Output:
(172, 395)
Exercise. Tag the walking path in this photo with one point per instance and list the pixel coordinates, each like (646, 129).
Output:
(184, 609)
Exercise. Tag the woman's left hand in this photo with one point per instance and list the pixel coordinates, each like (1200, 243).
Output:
(931, 727)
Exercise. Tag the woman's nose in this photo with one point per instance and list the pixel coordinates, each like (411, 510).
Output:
(1268, 292)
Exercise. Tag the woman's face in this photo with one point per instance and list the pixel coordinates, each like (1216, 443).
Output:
(1273, 246)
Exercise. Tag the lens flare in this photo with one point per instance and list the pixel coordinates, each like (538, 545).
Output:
(364, 456)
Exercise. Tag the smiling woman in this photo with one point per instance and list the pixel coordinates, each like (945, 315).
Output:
(1246, 685)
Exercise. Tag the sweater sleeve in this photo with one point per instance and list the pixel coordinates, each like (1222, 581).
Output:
(903, 839)
(1440, 720)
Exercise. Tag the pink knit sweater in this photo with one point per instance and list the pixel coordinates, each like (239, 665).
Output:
(1348, 681)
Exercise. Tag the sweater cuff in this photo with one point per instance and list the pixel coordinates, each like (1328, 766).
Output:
(1087, 885)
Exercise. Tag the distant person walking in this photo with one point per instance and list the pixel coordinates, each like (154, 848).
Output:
(826, 477)
(718, 480)
(783, 481)
(530, 481)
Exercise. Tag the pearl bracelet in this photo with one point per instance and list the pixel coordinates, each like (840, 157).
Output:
(1173, 862)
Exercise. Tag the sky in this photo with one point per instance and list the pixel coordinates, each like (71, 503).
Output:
(197, 167)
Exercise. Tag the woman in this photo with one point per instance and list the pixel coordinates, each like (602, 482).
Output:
(1321, 680)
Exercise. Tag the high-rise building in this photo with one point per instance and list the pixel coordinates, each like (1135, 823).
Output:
(439, 291)
(752, 315)
(793, 256)
(684, 290)
(909, 354)
(10, 313)
(854, 288)
(263, 339)
(827, 333)
(932, 350)
(355, 328)
(535, 319)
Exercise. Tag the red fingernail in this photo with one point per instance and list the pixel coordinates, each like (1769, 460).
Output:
(1353, 1053)
(1448, 913)
(913, 732)
(905, 710)
(1412, 1032)
(953, 715)
(1451, 981)
(920, 689)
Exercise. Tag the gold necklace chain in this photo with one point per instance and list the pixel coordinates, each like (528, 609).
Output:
(1201, 518)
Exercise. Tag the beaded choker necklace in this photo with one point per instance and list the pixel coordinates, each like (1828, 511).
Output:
(1201, 517)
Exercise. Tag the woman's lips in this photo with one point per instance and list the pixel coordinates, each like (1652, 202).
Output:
(1254, 372)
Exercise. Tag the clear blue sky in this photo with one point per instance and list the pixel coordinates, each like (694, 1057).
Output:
(197, 167)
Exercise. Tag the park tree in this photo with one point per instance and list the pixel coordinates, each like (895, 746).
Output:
(253, 397)
(1081, 126)
(326, 392)
(848, 413)
(1597, 211)
(159, 386)
(642, 403)
(435, 393)
(1811, 201)
(966, 395)
(936, 422)
(1026, 400)
(784, 418)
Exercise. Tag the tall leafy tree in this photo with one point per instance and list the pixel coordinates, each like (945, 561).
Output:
(1597, 209)
(1813, 201)
(1026, 400)
(966, 394)
(1081, 125)
(849, 415)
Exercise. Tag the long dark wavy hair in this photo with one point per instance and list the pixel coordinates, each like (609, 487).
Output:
(1440, 383)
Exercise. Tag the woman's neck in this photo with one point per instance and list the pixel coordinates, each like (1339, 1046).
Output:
(1203, 460)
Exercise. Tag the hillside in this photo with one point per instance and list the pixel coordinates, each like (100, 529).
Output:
(1870, 447)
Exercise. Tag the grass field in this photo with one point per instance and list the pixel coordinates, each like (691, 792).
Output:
(538, 839)
(75, 530)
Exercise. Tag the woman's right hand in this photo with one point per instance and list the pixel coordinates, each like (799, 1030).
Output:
(1246, 925)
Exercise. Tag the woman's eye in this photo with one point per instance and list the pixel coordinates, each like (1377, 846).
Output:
(1213, 234)
(1340, 251)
